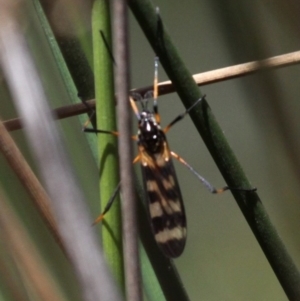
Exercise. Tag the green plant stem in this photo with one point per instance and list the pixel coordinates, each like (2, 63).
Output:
(249, 202)
(107, 144)
(72, 64)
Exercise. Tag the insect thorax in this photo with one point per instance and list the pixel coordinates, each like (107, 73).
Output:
(150, 134)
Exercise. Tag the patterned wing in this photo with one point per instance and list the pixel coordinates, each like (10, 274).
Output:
(166, 209)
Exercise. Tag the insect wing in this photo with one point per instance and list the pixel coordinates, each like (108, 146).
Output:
(166, 209)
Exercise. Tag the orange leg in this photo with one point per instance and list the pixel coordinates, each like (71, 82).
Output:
(210, 187)
(112, 198)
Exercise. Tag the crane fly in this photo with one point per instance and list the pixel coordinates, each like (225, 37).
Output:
(165, 205)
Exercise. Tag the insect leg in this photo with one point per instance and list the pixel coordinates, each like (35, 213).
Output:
(91, 113)
(134, 108)
(114, 133)
(112, 198)
(108, 205)
(181, 116)
(108, 47)
(92, 130)
(88, 130)
(210, 187)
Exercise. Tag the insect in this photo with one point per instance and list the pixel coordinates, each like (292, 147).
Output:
(165, 205)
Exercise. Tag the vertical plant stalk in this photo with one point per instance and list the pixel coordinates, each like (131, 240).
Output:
(68, 204)
(107, 144)
(130, 229)
(211, 133)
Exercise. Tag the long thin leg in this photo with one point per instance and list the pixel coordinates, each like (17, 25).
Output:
(85, 126)
(211, 188)
(89, 130)
(112, 198)
(92, 130)
(91, 113)
(134, 108)
(108, 205)
(107, 47)
(181, 116)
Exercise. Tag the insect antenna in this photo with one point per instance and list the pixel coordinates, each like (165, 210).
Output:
(155, 89)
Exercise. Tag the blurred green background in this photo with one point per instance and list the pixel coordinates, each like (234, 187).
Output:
(258, 114)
